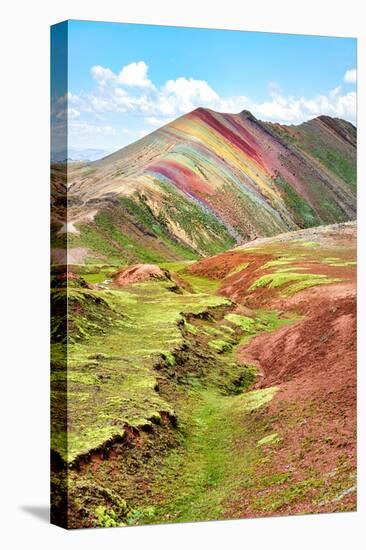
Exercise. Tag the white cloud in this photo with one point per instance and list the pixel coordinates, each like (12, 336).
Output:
(350, 76)
(184, 94)
(296, 110)
(97, 103)
(72, 98)
(73, 113)
(68, 113)
(154, 121)
(102, 75)
(131, 92)
(85, 129)
(135, 74)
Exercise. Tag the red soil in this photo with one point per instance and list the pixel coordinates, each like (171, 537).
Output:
(313, 363)
(139, 273)
(219, 267)
(314, 412)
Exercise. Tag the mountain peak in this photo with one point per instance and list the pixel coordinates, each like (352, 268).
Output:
(238, 179)
(247, 114)
(203, 110)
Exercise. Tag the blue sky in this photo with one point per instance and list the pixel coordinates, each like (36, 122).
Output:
(125, 80)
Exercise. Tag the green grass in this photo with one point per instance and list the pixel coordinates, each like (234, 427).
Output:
(309, 244)
(271, 439)
(220, 345)
(201, 284)
(176, 267)
(90, 237)
(292, 281)
(279, 262)
(338, 164)
(97, 277)
(106, 223)
(338, 262)
(115, 339)
(125, 355)
(304, 215)
(302, 285)
(264, 321)
(129, 341)
(207, 234)
(245, 323)
(288, 493)
(219, 447)
(112, 233)
(198, 283)
(198, 478)
(238, 269)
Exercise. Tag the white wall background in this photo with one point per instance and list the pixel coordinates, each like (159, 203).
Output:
(24, 195)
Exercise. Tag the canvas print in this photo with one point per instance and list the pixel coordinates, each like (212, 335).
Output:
(203, 274)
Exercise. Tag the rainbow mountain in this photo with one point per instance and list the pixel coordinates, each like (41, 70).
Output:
(204, 183)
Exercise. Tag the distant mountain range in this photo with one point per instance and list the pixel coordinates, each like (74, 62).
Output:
(208, 181)
(79, 155)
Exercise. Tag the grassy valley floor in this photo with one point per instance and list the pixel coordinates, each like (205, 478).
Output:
(190, 396)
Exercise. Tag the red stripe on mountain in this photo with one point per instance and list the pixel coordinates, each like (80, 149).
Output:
(184, 178)
(243, 131)
(228, 134)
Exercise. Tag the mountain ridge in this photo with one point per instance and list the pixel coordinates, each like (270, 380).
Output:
(207, 181)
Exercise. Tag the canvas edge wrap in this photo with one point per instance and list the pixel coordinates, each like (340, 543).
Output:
(58, 169)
